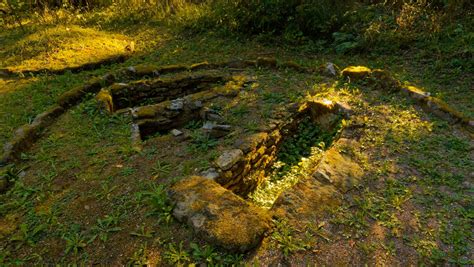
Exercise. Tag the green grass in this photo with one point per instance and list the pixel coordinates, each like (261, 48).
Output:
(85, 195)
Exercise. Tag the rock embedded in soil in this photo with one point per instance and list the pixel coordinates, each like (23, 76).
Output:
(210, 173)
(331, 69)
(229, 158)
(356, 73)
(216, 130)
(176, 132)
(217, 215)
(177, 104)
(338, 169)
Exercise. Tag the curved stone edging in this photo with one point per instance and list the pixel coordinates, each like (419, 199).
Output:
(386, 81)
(85, 67)
(27, 134)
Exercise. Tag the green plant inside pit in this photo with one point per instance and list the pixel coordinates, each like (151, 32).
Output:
(294, 159)
(308, 139)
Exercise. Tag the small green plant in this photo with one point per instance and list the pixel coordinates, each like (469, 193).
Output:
(128, 171)
(193, 125)
(8, 176)
(139, 257)
(104, 227)
(201, 142)
(106, 192)
(299, 145)
(274, 98)
(204, 255)
(161, 168)
(27, 235)
(354, 219)
(240, 111)
(142, 232)
(176, 255)
(74, 242)
(284, 236)
(158, 200)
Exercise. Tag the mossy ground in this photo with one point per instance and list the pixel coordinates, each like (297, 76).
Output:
(83, 178)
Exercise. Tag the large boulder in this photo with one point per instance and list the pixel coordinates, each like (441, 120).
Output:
(219, 216)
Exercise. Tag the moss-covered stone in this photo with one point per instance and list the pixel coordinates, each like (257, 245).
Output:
(356, 73)
(306, 200)
(71, 97)
(338, 169)
(104, 100)
(76, 94)
(217, 215)
(27, 134)
(227, 159)
(415, 92)
(201, 66)
(145, 70)
(172, 69)
(150, 111)
(250, 142)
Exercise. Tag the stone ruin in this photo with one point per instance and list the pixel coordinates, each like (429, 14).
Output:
(215, 204)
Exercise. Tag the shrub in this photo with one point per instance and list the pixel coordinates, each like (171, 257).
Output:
(277, 17)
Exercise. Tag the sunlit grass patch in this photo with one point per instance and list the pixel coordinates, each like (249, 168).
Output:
(59, 47)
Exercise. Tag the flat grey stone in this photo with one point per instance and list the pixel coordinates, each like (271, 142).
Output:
(176, 132)
(210, 173)
(229, 158)
(331, 69)
(177, 104)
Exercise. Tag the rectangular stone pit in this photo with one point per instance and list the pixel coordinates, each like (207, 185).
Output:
(126, 95)
(176, 113)
(243, 168)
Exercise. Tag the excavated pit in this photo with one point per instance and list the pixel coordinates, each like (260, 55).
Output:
(269, 156)
(144, 92)
(176, 113)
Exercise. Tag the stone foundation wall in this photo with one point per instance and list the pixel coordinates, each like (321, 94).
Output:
(171, 114)
(123, 95)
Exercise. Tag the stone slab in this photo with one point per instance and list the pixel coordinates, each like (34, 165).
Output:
(217, 215)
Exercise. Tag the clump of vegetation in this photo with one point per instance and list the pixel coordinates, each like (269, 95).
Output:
(301, 144)
(291, 18)
(286, 239)
(158, 200)
(294, 160)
